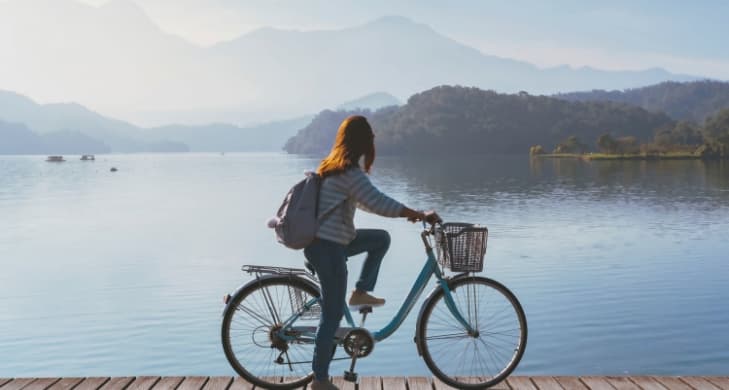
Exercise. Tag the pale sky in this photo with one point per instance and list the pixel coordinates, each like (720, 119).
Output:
(683, 37)
(69, 51)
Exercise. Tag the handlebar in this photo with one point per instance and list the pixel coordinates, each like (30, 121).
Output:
(428, 231)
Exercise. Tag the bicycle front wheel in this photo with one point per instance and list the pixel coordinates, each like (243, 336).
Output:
(252, 329)
(485, 357)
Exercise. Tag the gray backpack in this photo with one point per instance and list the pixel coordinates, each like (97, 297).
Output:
(298, 219)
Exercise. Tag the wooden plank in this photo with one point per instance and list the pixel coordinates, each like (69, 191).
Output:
(66, 384)
(41, 383)
(570, 383)
(499, 386)
(373, 383)
(394, 383)
(520, 383)
(193, 383)
(419, 383)
(370, 383)
(721, 382)
(143, 383)
(647, 383)
(91, 383)
(596, 382)
(622, 383)
(167, 383)
(269, 379)
(240, 384)
(438, 385)
(699, 383)
(342, 384)
(218, 383)
(117, 383)
(17, 384)
(672, 383)
(546, 383)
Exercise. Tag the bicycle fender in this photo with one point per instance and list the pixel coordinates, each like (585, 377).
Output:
(433, 293)
(239, 290)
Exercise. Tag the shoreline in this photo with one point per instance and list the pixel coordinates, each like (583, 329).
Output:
(640, 156)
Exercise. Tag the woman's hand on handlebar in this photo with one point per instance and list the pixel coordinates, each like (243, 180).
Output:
(432, 217)
(412, 215)
(415, 216)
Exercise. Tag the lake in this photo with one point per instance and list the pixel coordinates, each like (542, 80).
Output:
(621, 266)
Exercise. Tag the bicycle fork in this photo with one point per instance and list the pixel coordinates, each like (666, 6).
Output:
(451, 305)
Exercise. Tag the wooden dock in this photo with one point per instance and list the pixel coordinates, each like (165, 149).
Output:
(372, 383)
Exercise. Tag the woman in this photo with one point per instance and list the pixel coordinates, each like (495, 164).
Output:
(345, 188)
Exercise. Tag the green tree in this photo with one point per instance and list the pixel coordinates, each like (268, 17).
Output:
(716, 128)
(571, 145)
(628, 145)
(607, 144)
(716, 131)
(684, 133)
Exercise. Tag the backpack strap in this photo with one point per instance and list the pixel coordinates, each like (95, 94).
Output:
(318, 191)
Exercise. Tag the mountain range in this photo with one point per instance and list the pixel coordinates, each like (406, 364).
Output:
(55, 128)
(448, 120)
(27, 127)
(114, 59)
(695, 101)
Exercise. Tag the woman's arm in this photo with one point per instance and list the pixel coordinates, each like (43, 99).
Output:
(369, 198)
(412, 215)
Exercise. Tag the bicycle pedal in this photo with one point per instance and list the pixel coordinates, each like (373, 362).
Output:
(350, 376)
(365, 309)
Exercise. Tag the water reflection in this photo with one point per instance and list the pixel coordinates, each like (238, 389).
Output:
(459, 178)
(604, 255)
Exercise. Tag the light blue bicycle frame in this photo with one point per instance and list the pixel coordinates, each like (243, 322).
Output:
(430, 268)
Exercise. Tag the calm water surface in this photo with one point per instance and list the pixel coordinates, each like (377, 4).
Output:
(621, 266)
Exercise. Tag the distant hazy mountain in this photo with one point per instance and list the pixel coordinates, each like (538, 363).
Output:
(43, 119)
(398, 55)
(372, 101)
(694, 101)
(16, 138)
(447, 120)
(114, 57)
(221, 137)
(124, 137)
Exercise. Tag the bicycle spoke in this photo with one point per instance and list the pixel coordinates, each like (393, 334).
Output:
(448, 336)
(252, 332)
(454, 354)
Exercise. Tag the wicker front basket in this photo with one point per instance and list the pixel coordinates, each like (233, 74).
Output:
(461, 247)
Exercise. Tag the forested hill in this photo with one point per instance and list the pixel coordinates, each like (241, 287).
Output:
(448, 120)
(692, 101)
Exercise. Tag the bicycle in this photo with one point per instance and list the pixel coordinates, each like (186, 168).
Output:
(471, 330)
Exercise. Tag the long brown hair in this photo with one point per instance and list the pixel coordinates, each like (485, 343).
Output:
(354, 140)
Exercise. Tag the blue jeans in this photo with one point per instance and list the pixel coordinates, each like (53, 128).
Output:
(329, 260)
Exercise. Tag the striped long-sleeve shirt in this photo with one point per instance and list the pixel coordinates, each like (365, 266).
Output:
(341, 195)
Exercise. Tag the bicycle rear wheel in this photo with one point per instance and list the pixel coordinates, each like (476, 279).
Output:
(251, 325)
(482, 359)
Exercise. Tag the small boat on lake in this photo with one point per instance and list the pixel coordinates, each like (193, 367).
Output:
(88, 157)
(55, 159)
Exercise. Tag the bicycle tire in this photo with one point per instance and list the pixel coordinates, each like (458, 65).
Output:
(247, 327)
(445, 353)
